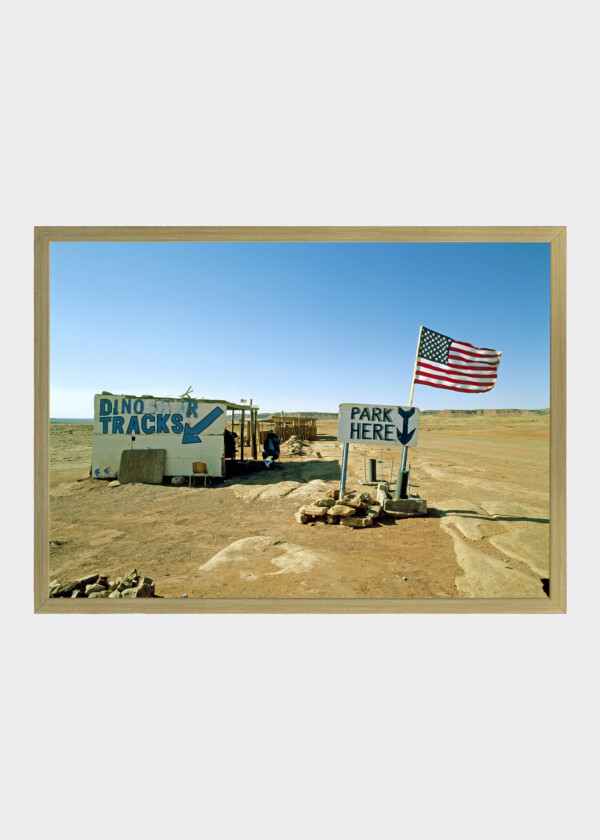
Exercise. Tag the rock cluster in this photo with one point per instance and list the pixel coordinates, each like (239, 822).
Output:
(99, 586)
(293, 446)
(354, 510)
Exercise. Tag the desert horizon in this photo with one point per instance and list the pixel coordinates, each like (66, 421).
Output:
(483, 473)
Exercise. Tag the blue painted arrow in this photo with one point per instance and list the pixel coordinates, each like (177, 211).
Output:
(106, 471)
(96, 472)
(190, 433)
(403, 436)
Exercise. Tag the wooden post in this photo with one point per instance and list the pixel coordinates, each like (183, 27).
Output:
(253, 430)
(233, 429)
(243, 427)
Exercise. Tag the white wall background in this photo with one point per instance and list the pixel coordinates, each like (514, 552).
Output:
(314, 113)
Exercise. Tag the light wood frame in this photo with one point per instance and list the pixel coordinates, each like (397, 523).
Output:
(555, 236)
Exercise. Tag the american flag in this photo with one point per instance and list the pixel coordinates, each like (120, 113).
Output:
(443, 362)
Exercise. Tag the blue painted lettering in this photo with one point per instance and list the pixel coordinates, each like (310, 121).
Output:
(354, 412)
(138, 406)
(377, 427)
(117, 427)
(365, 414)
(161, 424)
(105, 421)
(105, 406)
(145, 419)
(177, 424)
(366, 431)
(389, 431)
(192, 409)
(126, 406)
(355, 430)
(386, 416)
(376, 413)
(133, 427)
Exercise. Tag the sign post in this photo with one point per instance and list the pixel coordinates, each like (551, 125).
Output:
(412, 391)
(382, 425)
(344, 469)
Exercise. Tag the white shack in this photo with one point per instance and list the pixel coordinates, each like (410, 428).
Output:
(189, 430)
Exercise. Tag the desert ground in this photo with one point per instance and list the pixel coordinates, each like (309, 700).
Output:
(485, 479)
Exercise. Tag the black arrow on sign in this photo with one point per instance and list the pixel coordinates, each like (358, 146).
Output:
(404, 436)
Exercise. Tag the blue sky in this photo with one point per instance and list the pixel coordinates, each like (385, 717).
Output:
(295, 327)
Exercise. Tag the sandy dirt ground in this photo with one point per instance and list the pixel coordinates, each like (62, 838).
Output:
(485, 479)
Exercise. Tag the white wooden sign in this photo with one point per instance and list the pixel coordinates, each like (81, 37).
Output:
(383, 425)
(189, 430)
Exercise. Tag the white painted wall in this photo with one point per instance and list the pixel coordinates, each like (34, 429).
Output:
(189, 430)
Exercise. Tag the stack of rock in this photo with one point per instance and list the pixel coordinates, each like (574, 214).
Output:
(293, 446)
(354, 510)
(99, 586)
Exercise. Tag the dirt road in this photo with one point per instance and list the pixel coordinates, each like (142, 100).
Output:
(485, 479)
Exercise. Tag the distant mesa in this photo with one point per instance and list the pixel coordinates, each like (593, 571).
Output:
(444, 412)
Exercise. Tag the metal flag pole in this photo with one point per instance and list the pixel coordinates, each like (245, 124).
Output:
(344, 469)
(412, 391)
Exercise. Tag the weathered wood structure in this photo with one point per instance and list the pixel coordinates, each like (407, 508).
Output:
(287, 425)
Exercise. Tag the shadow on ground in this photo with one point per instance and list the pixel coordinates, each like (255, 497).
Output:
(472, 514)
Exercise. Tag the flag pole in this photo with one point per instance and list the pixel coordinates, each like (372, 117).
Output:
(412, 391)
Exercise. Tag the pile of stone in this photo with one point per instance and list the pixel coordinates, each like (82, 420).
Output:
(99, 586)
(354, 510)
(293, 446)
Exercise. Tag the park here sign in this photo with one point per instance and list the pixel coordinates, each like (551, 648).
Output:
(383, 425)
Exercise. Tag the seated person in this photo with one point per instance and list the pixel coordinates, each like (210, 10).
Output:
(230, 443)
(271, 449)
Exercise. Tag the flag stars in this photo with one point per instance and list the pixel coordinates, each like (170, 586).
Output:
(434, 346)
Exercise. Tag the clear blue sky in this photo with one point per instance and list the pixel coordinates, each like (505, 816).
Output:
(298, 327)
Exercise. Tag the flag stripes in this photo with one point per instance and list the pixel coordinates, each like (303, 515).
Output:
(456, 365)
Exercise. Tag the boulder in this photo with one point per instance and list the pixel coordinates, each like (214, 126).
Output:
(357, 521)
(332, 520)
(144, 590)
(86, 581)
(115, 594)
(94, 587)
(326, 503)
(77, 593)
(115, 483)
(373, 512)
(355, 502)
(103, 594)
(333, 494)
(64, 590)
(341, 510)
(302, 518)
(313, 510)
(129, 593)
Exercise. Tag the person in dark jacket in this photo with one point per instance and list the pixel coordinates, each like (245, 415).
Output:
(271, 449)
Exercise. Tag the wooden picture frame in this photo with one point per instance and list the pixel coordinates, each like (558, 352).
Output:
(555, 236)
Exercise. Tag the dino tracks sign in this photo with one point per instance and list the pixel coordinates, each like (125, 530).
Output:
(386, 425)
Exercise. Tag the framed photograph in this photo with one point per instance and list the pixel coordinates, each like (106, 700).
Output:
(326, 419)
